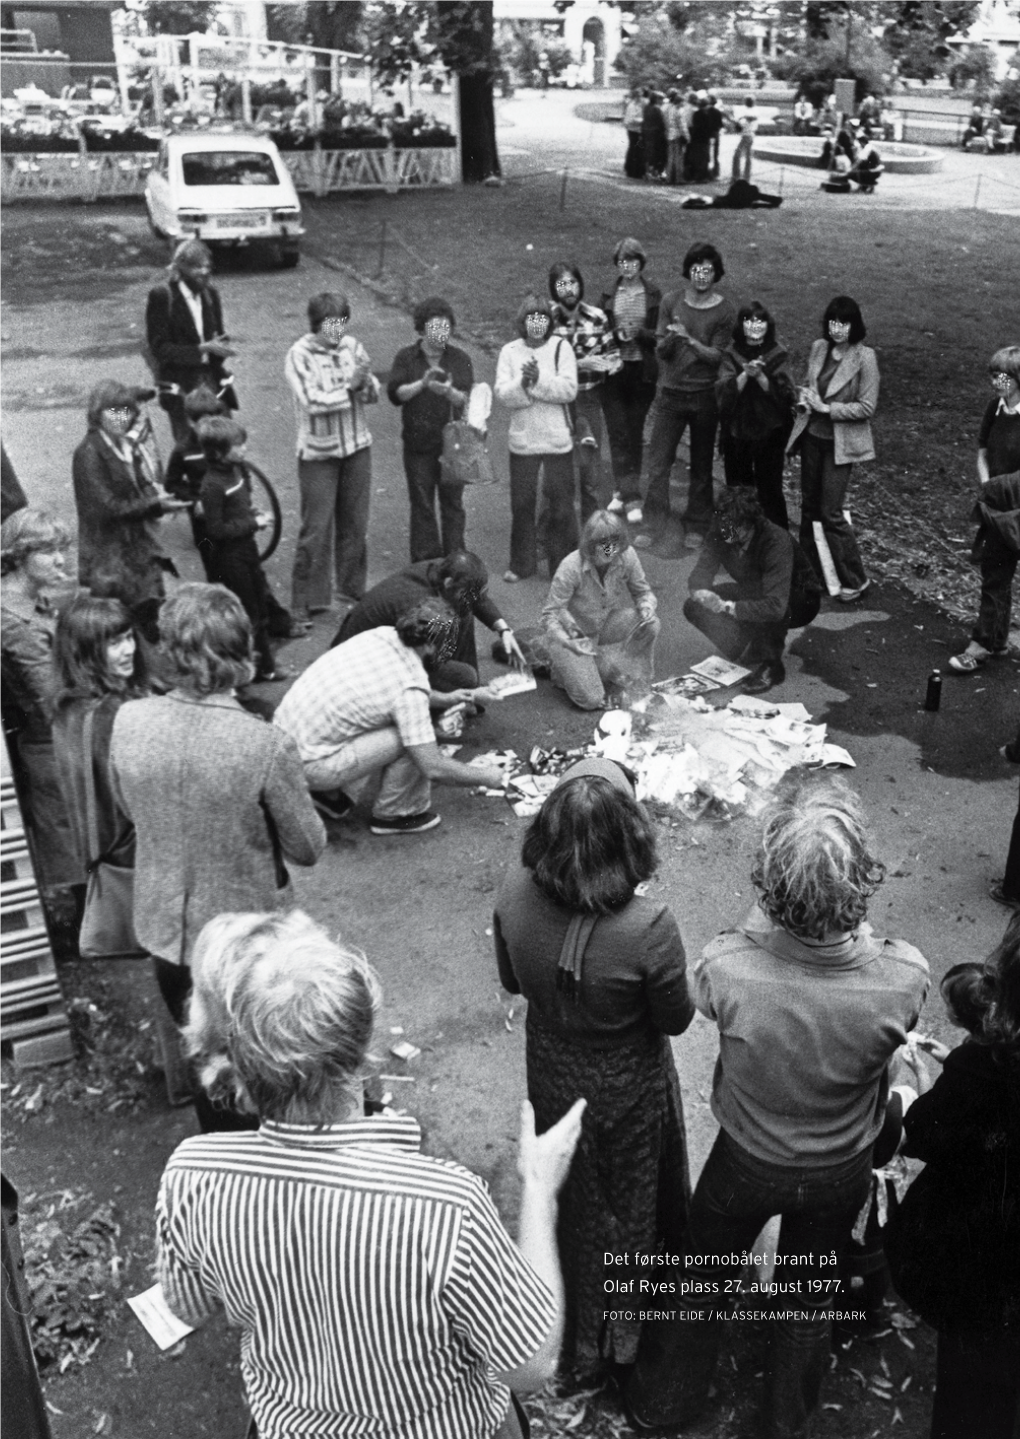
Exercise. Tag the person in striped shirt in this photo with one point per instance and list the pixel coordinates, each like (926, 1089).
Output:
(377, 1291)
(330, 376)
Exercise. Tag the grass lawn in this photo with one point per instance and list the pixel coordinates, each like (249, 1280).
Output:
(939, 292)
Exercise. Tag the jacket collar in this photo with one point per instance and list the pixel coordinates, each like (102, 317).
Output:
(848, 366)
(400, 1131)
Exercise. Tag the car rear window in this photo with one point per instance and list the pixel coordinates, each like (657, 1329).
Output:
(229, 167)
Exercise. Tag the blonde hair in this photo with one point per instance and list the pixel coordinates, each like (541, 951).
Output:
(281, 1016)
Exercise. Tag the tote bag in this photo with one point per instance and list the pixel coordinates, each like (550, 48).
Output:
(107, 927)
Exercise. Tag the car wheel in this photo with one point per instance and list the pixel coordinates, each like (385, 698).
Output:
(290, 257)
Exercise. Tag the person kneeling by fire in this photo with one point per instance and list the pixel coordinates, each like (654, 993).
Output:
(774, 588)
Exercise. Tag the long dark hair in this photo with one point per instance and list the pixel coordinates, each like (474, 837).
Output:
(85, 626)
(589, 846)
(754, 311)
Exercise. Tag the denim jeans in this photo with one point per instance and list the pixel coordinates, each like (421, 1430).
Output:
(625, 653)
(998, 566)
(560, 520)
(403, 789)
(735, 1197)
(626, 399)
(430, 541)
(675, 410)
(823, 486)
(335, 496)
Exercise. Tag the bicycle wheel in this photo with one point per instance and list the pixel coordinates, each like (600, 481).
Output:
(264, 497)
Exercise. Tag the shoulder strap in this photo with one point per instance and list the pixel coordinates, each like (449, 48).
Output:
(91, 817)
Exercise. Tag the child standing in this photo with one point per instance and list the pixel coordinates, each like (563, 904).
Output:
(231, 524)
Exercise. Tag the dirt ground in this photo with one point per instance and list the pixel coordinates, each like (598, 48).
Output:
(99, 1131)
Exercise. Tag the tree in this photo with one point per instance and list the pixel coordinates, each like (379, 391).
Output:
(178, 17)
(460, 33)
(660, 55)
(917, 33)
(824, 61)
(975, 66)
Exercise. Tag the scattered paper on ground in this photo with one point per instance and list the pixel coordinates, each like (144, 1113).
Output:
(515, 682)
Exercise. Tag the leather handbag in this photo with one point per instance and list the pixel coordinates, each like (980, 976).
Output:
(465, 460)
(107, 927)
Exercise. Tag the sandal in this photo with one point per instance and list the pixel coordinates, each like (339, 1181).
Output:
(966, 664)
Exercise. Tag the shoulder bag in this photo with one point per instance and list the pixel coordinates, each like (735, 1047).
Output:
(465, 459)
(107, 927)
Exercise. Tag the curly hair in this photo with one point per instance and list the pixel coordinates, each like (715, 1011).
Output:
(281, 1016)
(814, 871)
(431, 621)
(589, 846)
(433, 307)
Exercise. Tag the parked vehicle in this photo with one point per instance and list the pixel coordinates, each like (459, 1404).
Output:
(226, 188)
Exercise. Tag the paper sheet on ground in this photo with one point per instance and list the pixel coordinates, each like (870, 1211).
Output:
(158, 1319)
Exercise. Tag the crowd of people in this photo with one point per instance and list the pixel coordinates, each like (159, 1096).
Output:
(375, 1287)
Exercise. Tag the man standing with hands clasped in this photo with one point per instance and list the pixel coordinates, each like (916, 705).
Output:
(330, 376)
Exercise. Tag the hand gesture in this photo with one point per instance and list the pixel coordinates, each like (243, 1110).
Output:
(709, 600)
(543, 1160)
(262, 520)
(529, 372)
(513, 651)
(218, 347)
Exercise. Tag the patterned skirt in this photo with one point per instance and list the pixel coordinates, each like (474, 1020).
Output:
(628, 1190)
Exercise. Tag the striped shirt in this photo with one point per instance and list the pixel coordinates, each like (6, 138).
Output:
(371, 682)
(376, 1288)
(330, 416)
(630, 309)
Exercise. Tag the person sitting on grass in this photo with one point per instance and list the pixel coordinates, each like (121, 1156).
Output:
(360, 714)
(231, 524)
(774, 588)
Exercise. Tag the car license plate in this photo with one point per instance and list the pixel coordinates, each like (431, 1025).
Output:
(254, 220)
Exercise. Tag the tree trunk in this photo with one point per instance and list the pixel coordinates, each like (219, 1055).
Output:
(480, 158)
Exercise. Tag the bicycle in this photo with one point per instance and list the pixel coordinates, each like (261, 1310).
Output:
(264, 496)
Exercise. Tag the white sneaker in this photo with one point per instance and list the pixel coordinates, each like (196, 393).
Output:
(615, 506)
(635, 514)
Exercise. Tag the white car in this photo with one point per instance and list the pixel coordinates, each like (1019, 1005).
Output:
(226, 189)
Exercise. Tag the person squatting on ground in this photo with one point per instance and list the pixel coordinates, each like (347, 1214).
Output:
(832, 432)
(460, 579)
(231, 524)
(431, 381)
(360, 714)
(632, 308)
(774, 589)
(997, 542)
(536, 379)
(185, 336)
(953, 1244)
(216, 795)
(590, 335)
(330, 377)
(604, 973)
(280, 1026)
(599, 618)
(810, 1007)
(695, 326)
(755, 394)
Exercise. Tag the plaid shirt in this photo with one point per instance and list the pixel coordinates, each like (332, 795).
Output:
(588, 332)
(370, 682)
(375, 1288)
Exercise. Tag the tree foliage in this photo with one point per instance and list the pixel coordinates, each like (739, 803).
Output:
(178, 17)
(331, 24)
(660, 55)
(824, 61)
(975, 66)
(520, 44)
